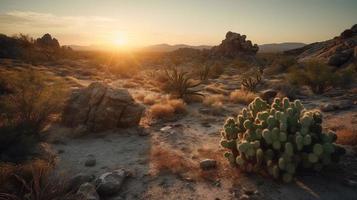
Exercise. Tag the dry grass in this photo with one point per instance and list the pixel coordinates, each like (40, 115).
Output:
(243, 97)
(165, 159)
(168, 160)
(215, 101)
(168, 108)
(32, 181)
(346, 137)
(150, 99)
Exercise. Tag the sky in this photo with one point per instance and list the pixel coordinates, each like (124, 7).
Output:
(135, 23)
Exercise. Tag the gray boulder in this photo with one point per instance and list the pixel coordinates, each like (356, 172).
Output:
(109, 183)
(100, 107)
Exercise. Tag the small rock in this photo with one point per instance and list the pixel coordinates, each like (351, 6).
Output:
(208, 164)
(344, 104)
(87, 191)
(110, 183)
(165, 128)
(91, 161)
(79, 179)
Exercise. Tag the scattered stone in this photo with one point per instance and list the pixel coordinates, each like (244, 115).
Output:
(79, 179)
(165, 128)
(87, 191)
(208, 164)
(101, 107)
(110, 183)
(91, 161)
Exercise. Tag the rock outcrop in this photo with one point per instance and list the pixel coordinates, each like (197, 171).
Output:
(234, 45)
(100, 107)
(338, 51)
(47, 41)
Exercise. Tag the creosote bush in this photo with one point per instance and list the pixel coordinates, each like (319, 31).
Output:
(278, 139)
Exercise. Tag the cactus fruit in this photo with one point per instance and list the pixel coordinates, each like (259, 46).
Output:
(279, 139)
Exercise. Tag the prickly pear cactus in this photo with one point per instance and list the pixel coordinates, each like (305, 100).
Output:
(279, 139)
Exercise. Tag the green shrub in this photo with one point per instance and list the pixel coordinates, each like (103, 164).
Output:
(318, 76)
(26, 111)
(278, 139)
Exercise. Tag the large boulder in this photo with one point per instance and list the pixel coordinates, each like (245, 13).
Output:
(101, 107)
(47, 41)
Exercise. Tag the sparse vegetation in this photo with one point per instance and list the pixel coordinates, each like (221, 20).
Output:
(321, 77)
(26, 111)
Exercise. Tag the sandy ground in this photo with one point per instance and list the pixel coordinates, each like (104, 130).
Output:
(184, 142)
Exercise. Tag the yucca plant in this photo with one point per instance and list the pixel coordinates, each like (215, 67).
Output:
(181, 84)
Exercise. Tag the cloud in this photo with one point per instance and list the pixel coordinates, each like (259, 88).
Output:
(78, 29)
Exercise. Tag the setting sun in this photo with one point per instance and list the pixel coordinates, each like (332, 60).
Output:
(120, 41)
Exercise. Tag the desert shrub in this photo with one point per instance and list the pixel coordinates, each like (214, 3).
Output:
(280, 64)
(241, 96)
(26, 111)
(279, 139)
(33, 181)
(180, 84)
(318, 76)
(214, 100)
(168, 108)
(251, 82)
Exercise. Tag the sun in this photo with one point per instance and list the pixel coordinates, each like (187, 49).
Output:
(120, 41)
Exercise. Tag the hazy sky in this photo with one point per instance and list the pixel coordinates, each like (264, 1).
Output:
(144, 22)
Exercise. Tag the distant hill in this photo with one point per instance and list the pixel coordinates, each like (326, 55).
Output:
(168, 47)
(279, 47)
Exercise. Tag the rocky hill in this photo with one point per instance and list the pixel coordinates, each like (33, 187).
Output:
(234, 45)
(339, 51)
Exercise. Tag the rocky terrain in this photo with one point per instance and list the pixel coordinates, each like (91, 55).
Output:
(339, 51)
(173, 151)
